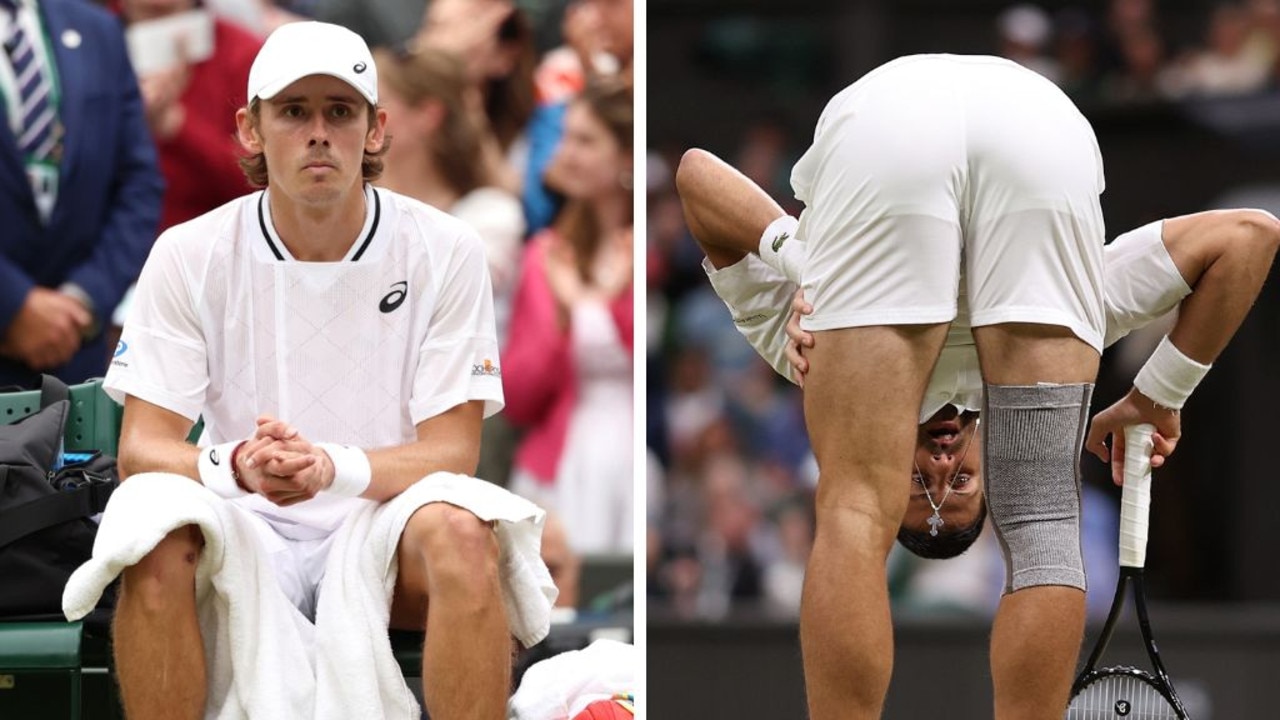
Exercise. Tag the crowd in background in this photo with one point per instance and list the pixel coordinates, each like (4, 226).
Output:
(1130, 54)
(515, 116)
(731, 479)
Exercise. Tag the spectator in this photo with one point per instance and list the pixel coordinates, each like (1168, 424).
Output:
(74, 241)
(437, 157)
(496, 39)
(187, 108)
(1025, 32)
(568, 361)
(1231, 64)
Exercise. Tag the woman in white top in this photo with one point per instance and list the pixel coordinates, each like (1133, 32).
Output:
(436, 157)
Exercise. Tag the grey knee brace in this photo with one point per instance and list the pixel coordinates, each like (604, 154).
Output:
(1032, 435)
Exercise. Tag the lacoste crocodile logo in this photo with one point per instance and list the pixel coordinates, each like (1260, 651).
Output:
(777, 242)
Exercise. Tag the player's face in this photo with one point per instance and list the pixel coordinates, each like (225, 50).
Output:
(592, 160)
(314, 134)
(947, 446)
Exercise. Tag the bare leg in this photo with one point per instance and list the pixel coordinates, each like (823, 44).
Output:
(862, 401)
(158, 649)
(448, 583)
(1036, 637)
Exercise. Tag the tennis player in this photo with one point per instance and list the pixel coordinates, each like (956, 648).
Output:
(338, 341)
(952, 249)
(1146, 273)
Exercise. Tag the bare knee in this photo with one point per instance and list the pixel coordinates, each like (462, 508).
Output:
(167, 572)
(458, 548)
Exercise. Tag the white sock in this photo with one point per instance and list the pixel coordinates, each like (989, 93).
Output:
(781, 250)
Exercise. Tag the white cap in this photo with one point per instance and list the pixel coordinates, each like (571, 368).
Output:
(299, 49)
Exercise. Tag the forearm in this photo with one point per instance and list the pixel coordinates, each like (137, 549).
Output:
(171, 456)
(449, 442)
(154, 440)
(725, 211)
(1225, 257)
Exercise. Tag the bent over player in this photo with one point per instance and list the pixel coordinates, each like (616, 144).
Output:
(951, 205)
(338, 341)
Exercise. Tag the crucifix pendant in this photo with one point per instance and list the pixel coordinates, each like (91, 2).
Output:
(935, 521)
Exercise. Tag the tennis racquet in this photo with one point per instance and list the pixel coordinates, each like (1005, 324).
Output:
(1123, 691)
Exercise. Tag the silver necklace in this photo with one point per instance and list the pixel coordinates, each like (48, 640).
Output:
(935, 521)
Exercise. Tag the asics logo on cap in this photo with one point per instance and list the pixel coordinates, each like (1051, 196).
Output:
(213, 456)
(359, 67)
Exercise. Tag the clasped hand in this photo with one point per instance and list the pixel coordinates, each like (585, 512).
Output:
(281, 465)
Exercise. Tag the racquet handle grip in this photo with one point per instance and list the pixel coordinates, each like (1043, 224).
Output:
(1135, 498)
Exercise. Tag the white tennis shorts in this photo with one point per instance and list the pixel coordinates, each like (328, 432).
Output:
(298, 556)
(946, 188)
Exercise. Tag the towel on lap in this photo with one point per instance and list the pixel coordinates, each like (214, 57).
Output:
(264, 657)
(359, 678)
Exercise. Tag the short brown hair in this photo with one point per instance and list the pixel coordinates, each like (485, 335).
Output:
(432, 74)
(255, 166)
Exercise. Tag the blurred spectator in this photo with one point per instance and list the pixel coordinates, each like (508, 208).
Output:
(567, 364)
(1076, 52)
(1236, 60)
(436, 156)
(496, 40)
(599, 43)
(1025, 32)
(784, 576)
(1138, 76)
(83, 194)
(384, 23)
(618, 33)
(188, 108)
(562, 562)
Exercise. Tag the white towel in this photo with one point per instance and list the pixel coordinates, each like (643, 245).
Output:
(559, 687)
(237, 596)
(357, 674)
(264, 657)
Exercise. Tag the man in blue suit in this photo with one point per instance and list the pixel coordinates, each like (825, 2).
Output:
(79, 187)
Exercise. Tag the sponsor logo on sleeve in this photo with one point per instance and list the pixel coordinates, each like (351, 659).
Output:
(122, 347)
(486, 368)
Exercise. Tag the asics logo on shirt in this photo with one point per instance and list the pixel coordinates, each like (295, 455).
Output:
(395, 298)
(777, 242)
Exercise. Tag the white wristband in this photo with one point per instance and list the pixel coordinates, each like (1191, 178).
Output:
(1169, 377)
(780, 249)
(216, 471)
(351, 470)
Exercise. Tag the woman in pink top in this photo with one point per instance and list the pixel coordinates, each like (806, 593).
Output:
(567, 366)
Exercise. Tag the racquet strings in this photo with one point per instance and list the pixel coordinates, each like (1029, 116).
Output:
(1120, 696)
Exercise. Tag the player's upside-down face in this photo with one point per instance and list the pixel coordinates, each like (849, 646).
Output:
(947, 446)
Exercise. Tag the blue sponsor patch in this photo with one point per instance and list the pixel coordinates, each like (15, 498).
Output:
(121, 348)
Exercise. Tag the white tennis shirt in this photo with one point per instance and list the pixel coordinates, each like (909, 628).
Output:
(227, 325)
(1140, 284)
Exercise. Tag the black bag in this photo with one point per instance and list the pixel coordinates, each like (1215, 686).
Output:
(45, 530)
